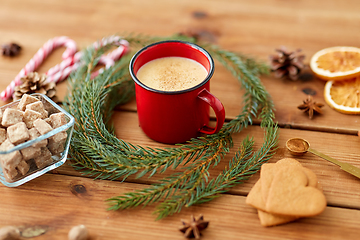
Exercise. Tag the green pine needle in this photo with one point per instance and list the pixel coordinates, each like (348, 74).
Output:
(97, 153)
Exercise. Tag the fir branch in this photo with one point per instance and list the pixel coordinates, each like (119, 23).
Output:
(190, 175)
(240, 169)
(97, 152)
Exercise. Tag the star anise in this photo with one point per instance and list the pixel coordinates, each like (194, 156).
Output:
(310, 106)
(192, 229)
(11, 49)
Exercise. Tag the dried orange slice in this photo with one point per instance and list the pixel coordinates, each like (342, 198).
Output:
(343, 96)
(336, 63)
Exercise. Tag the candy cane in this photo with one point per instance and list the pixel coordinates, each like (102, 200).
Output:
(64, 69)
(38, 58)
(71, 60)
(109, 59)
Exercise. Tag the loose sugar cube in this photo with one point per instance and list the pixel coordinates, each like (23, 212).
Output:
(48, 120)
(23, 167)
(10, 160)
(2, 135)
(11, 116)
(42, 126)
(30, 116)
(38, 107)
(1, 114)
(57, 142)
(59, 137)
(18, 133)
(25, 100)
(56, 147)
(10, 174)
(30, 152)
(35, 134)
(44, 159)
(58, 119)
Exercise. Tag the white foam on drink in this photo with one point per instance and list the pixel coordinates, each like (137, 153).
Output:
(172, 73)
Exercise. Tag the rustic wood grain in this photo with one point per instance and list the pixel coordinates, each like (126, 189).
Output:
(56, 208)
(309, 26)
(340, 188)
(64, 198)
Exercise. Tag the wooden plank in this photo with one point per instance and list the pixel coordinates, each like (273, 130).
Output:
(340, 188)
(287, 95)
(228, 30)
(53, 201)
(251, 27)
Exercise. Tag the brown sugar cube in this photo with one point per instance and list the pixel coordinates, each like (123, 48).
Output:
(59, 137)
(2, 135)
(30, 116)
(48, 120)
(23, 167)
(30, 152)
(18, 133)
(57, 142)
(1, 114)
(38, 107)
(10, 174)
(9, 160)
(42, 126)
(11, 117)
(56, 147)
(44, 159)
(58, 119)
(35, 134)
(25, 100)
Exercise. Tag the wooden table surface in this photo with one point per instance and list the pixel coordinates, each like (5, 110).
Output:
(254, 27)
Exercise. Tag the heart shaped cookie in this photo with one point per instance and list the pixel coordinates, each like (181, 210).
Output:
(268, 171)
(269, 219)
(254, 198)
(290, 194)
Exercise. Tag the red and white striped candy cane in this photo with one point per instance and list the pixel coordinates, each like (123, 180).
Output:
(71, 60)
(109, 59)
(64, 69)
(38, 58)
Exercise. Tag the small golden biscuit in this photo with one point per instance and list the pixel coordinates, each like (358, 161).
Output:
(312, 178)
(268, 170)
(290, 194)
(289, 161)
(258, 194)
(285, 192)
(254, 198)
(269, 219)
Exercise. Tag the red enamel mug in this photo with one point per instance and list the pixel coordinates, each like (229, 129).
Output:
(176, 116)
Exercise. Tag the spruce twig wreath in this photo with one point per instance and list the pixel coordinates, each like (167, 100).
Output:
(97, 152)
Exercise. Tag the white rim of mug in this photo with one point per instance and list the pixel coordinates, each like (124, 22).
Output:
(202, 50)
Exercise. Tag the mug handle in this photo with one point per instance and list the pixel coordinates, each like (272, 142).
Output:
(218, 108)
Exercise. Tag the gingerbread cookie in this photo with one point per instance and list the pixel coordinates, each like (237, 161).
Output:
(290, 194)
(268, 171)
(269, 219)
(285, 192)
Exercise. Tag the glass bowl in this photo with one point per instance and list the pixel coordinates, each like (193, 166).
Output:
(52, 157)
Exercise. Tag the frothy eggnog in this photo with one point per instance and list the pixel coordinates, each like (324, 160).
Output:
(172, 73)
